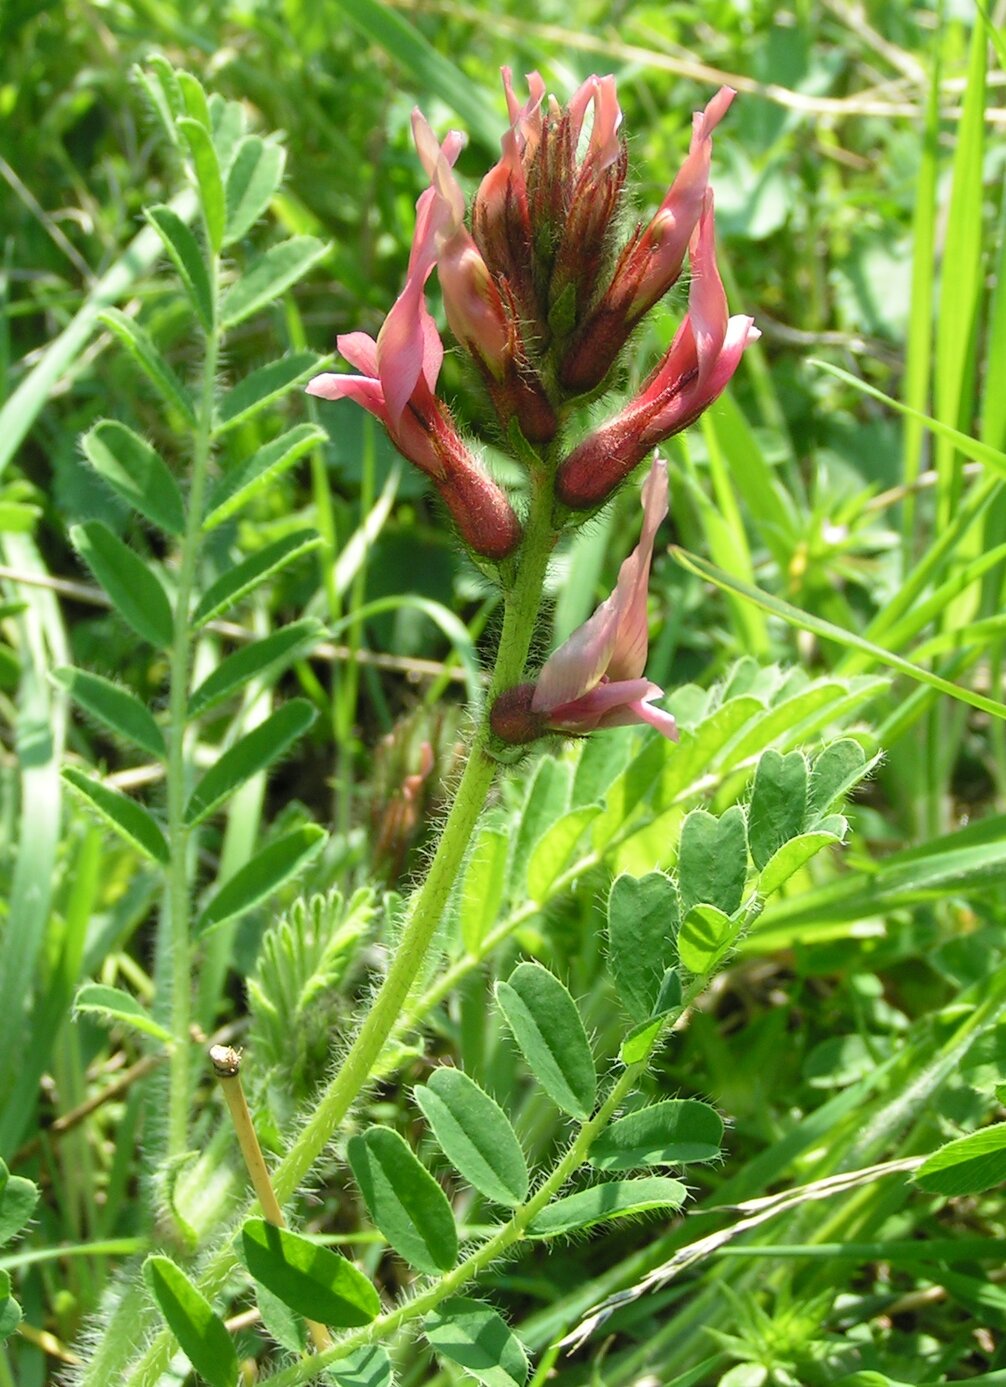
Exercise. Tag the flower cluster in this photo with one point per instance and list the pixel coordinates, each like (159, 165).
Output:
(542, 290)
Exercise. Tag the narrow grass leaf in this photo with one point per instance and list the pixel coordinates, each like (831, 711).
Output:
(643, 919)
(676, 1131)
(264, 874)
(252, 661)
(606, 1203)
(116, 707)
(140, 346)
(269, 276)
(113, 1006)
(253, 753)
(320, 1284)
(136, 472)
(187, 258)
(704, 937)
(778, 804)
(197, 1327)
(255, 173)
(240, 484)
(129, 819)
(968, 1165)
(264, 386)
(18, 1198)
(477, 1339)
(429, 70)
(403, 1199)
(482, 891)
(208, 176)
(244, 577)
(547, 1027)
(712, 860)
(827, 631)
(474, 1134)
(134, 590)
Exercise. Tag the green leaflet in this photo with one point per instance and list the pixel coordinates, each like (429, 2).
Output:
(183, 250)
(482, 892)
(404, 1200)
(967, 1165)
(474, 1134)
(791, 857)
(117, 707)
(244, 577)
(479, 1340)
(712, 860)
(141, 348)
(643, 918)
(603, 1203)
(264, 874)
(251, 662)
(674, 1132)
(553, 851)
(367, 1367)
(208, 177)
(269, 276)
(256, 750)
(113, 1006)
(320, 1284)
(547, 1027)
(134, 590)
(129, 819)
(136, 472)
(255, 172)
(238, 485)
(264, 386)
(705, 935)
(193, 1321)
(778, 803)
(18, 1198)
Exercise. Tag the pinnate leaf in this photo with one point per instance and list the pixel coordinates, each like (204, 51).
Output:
(136, 472)
(244, 577)
(313, 1280)
(193, 1321)
(712, 860)
(547, 1027)
(256, 750)
(270, 276)
(474, 1134)
(264, 874)
(673, 1132)
(403, 1199)
(134, 590)
(265, 385)
(479, 1340)
(604, 1203)
(116, 707)
(129, 819)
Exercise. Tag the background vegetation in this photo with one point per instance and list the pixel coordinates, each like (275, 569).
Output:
(859, 187)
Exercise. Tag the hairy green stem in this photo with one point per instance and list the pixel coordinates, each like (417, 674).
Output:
(178, 885)
(521, 608)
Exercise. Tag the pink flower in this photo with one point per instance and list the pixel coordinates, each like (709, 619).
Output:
(595, 678)
(650, 262)
(424, 433)
(697, 367)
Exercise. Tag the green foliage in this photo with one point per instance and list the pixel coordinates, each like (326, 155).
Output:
(475, 1135)
(260, 878)
(616, 1199)
(403, 1199)
(113, 1006)
(477, 1339)
(677, 1131)
(310, 1279)
(199, 1330)
(547, 1027)
(968, 1165)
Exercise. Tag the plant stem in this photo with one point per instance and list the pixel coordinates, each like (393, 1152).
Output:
(521, 608)
(176, 936)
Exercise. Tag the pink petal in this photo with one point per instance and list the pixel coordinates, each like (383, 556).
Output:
(362, 389)
(360, 350)
(580, 662)
(628, 657)
(707, 302)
